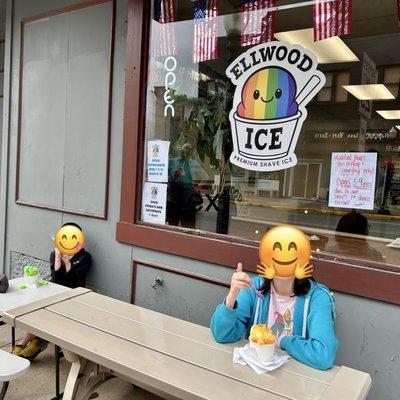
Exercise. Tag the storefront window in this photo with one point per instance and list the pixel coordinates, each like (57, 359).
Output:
(188, 179)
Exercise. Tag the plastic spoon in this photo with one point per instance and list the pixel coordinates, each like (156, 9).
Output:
(258, 293)
(313, 82)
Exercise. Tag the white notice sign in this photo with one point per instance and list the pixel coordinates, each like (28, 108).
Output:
(157, 160)
(352, 182)
(154, 202)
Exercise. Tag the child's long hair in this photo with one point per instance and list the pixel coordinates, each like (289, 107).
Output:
(301, 286)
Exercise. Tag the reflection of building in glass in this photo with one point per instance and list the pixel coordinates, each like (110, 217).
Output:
(341, 118)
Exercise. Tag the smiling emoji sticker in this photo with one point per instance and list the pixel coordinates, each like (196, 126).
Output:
(285, 251)
(69, 239)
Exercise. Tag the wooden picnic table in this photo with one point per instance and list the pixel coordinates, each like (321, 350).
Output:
(17, 297)
(170, 357)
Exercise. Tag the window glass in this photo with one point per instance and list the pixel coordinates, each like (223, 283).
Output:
(342, 79)
(189, 97)
(392, 79)
(325, 94)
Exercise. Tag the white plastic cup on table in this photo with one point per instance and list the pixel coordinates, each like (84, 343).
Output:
(31, 281)
(265, 352)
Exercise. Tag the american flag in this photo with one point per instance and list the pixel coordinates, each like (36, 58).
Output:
(258, 24)
(331, 18)
(205, 40)
(165, 15)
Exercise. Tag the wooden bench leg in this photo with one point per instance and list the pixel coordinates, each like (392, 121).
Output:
(84, 377)
(4, 390)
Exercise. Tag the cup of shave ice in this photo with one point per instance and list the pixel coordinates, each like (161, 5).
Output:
(262, 340)
(31, 275)
(267, 116)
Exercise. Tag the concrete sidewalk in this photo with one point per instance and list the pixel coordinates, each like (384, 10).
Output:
(39, 383)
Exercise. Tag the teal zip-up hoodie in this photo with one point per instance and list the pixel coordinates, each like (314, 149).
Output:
(313, 342)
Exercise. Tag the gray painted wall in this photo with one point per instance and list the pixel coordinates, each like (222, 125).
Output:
(368, 330)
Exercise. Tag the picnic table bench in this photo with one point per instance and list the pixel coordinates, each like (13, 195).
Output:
(103, 337)
(11, 367)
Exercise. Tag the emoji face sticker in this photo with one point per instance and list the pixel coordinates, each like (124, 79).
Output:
(285, 251)
(69, 239)
(268, 94)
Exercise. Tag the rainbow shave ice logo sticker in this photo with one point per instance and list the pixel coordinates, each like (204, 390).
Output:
(274, 82)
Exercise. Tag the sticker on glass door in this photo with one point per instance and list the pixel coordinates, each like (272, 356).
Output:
(274, 82)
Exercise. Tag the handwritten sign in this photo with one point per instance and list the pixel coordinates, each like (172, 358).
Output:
(154, 202)
(352, 182)
(157, 160)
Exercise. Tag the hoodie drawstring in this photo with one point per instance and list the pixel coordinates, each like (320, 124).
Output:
(305, 314)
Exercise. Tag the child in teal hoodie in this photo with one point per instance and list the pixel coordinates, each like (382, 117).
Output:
(306, 331)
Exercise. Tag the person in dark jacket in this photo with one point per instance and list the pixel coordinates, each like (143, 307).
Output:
(70, 271)
(66, 270)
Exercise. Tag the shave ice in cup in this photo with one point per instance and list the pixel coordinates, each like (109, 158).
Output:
(268, 114)
(262, 340)
(31, 276)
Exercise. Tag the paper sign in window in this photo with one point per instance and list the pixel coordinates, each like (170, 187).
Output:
(352, 183)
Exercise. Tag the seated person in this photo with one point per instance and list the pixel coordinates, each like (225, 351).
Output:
(298, 310)
(353, 222)
(66, 270)
(356, 224)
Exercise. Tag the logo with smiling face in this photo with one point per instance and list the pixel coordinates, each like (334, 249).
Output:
(285, 251)
(69, 239)
(268, 94)
(155, 150)
(274, 82)
(153, 192)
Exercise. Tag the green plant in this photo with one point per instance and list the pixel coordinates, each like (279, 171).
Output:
(31, 270)
(205, 125)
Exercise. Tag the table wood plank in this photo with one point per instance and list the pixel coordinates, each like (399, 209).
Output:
(196, 332)
(141, 365)
(187, 350)
(9, 315)
(16, 297)
(349, 384)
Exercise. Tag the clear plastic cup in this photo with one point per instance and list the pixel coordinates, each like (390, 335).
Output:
(265, 352)
(31, 281)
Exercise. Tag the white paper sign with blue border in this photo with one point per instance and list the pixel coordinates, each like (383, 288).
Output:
(157, 160)
(154, 203)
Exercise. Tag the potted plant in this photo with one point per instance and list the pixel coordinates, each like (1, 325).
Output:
(31, 275)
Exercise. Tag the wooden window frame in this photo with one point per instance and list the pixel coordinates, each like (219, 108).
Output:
(362, 278)
(50, 13)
